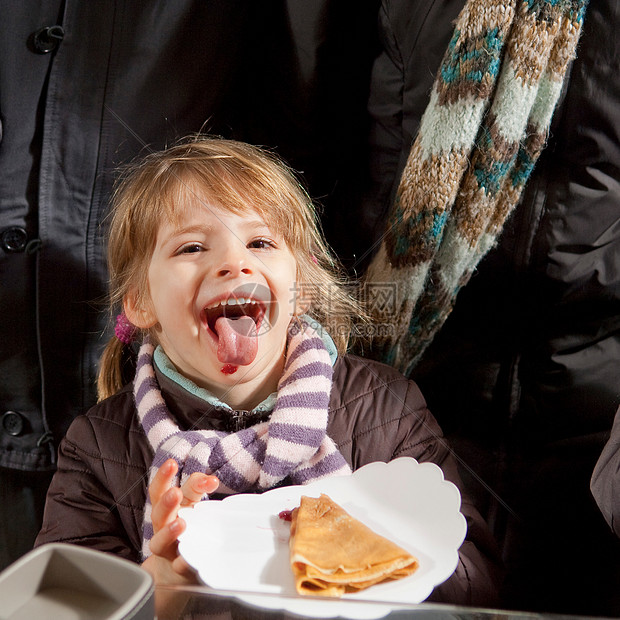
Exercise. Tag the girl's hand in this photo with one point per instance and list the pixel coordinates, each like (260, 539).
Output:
(165, 564)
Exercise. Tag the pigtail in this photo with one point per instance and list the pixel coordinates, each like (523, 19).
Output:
(118, 361)
(110, 377)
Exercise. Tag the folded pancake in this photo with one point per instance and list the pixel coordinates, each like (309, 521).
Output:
(332, 553)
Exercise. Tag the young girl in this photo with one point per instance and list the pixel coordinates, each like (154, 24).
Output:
(242, 381)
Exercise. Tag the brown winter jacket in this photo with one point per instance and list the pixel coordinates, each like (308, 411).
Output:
(98, 494)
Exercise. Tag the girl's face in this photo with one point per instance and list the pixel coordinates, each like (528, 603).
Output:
(222, 293)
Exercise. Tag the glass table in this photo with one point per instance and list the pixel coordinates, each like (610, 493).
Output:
(201, 602)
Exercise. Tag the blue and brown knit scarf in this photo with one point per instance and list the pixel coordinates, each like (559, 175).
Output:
(292, 445)
(485, 126)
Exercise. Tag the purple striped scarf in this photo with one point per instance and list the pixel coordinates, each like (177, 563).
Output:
(293, 444)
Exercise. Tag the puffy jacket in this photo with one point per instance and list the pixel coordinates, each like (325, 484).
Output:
(97, 496)
(523, 377)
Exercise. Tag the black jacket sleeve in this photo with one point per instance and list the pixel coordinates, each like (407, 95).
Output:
(605, 484)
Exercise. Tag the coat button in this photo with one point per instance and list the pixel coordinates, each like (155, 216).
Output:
(13, 239)
(47, 39)
(13, 423)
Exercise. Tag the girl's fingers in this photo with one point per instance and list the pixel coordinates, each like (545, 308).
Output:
(162, 480)
(166, 501)
(196, 486)
(181, 567)
(164, 541)
(164, 511)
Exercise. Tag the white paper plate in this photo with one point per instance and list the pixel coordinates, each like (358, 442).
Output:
(241, 544)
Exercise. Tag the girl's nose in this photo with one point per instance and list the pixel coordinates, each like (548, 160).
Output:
(234, 262)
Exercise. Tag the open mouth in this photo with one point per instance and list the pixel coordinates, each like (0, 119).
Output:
(234, 308)
(234, 323)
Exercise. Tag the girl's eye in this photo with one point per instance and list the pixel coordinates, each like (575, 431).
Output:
(261, 244)
(191, 248)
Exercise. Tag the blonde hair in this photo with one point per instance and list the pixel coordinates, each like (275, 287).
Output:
(238, 177)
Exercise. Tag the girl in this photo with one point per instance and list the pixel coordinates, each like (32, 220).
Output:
(242, 381)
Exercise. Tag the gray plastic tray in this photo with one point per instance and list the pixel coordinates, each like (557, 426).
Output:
(67, 582)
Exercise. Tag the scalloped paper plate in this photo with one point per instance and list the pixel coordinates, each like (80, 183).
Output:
(241, 544)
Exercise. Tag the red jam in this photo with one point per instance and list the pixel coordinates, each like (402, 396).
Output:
(229, 369)
(286, 515)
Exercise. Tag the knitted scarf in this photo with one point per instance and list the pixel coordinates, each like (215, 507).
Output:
(293, 444)
(485, 126)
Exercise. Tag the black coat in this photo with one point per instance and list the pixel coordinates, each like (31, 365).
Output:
(524, 376)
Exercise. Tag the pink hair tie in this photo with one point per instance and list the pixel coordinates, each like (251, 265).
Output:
(124, 330)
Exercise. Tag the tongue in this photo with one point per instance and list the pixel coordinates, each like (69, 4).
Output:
(238, 342)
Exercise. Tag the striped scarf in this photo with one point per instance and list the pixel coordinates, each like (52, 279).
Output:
(292, 445)
(485, 126)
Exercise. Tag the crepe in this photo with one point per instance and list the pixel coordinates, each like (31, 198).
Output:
(333, 553)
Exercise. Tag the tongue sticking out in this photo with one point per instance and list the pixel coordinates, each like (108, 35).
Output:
(238, 342)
